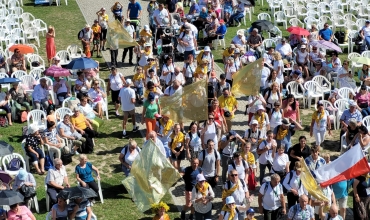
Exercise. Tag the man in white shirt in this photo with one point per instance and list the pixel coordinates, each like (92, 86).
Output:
(40, 95)
(128, 100)
(153, 137)
(86, 37)
(285, 50)
(265, 152)
(159, 15)
(239, 40)
(174, 88)
(177, 75)
(240, 165)
(271, 198)
(55, 179)
(131, 31)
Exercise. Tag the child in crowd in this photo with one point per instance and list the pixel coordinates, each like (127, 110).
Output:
(138, 79)
(327, 158)
(160, 209)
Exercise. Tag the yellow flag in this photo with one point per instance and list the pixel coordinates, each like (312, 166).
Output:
(118, 37)
(247, 80)
(312, 187)
(151, 177)
(187, 104)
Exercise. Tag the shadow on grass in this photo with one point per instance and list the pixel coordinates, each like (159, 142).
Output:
(114, 191)
(331, 145)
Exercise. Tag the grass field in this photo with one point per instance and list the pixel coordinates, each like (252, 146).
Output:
(67, 21)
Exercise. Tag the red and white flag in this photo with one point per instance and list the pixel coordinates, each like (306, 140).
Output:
(351, 164)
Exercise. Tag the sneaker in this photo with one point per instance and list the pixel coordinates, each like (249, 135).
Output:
(124, 133)
(239, 24)
(136, 128)
(182, 215)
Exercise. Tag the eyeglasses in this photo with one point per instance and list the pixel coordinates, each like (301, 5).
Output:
(96, 84)
(345, 64)
(211, 118)
(233, 175)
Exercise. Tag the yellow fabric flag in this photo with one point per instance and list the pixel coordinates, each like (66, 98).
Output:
(118, 37)
(312, 187)
(187, 104)
(247, 80)
(151, 177)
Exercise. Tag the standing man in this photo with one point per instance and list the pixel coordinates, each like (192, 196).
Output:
(134, 11)
(55, 179)
(103, 22)
(86, 37)
(271, 198)
(209, 160)
(265, 154)
(131, 31)
(190, 179)
(229, 104)
(128, 100)
(96, 38)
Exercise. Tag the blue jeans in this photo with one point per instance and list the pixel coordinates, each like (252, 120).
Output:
(139, 91)
(237, 17)
(33, 157)
(186, 54)
(262, 171)
(367, 39)
(365, 111)
(125, 170)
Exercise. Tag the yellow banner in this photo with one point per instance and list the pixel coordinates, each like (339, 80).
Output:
(312, 187)
(247, 80)
(118, 37)
(188, 104)
(151, 177)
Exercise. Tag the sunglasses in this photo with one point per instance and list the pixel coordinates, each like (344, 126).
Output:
(233, 175)
(211, 118)
(96, 84)
(314, 49)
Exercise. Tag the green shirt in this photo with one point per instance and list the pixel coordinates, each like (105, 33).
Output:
(151, 109)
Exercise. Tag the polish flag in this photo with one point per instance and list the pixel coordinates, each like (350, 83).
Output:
(351, 164)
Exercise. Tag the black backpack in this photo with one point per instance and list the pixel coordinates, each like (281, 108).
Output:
(211, 90)
(126, 149)
(229, 183)
(290, 179)
(80, 34)
(204, 156)
(340, 35)
(234, 165)
(191, 136)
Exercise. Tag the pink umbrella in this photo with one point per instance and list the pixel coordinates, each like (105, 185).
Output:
(55, 71)
(90, 72)
(327, 45)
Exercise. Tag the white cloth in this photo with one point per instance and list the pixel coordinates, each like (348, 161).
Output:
(264, 76)
(267, 155)
(257, 103)
(295, 183)
(346, 81)
(190, 69)
(130, 29)
(160, 146)
(211, 133)
(130, 157)
(276, 119)
(170, 90)
(115, 81)
(171, 77)
(169, 68)
(195, 142)
(239, 168)
(189, 39)
(229, 70)
(126, 94)
(366, 31)
(277, 64)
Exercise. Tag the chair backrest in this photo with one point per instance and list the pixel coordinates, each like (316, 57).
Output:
(35, 116)
(65, 101)
(4, 75)
(366, 54)
(326, 104)
(28, 81)
(277, 32)
(17, 11)
(268, 43)
(366, 121)
(61, 112)
(296, 22)
(310, 20)
(292, 87)
(345, 92)
(27, 17)
(35, 49)
(264, 16)
(325, 19)
(36, 73)
(18, 74)
(64, 55)
(353, 55)
(312, 86)
(73, 49)
(7, 158)
(349, 17)
(341, 104)
(102, 85)
(320, 80)
(360, 22)
(279, 16)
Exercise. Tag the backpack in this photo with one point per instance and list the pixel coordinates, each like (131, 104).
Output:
(14, 164)
(290, 179)
(229, 183)
(267, 185)
(126, 149)
(3, 121)
(249, 133)
(234, 165)
(204, 156)
(48, 163)
(211, 90)
(80, 34)
(265, 142)
(191, 136)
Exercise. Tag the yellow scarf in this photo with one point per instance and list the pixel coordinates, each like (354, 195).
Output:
(260, 119)
(148, 91)
(144, 33)
(249, 157)
(204, 189)
(317, 117)
(179, 138)
(199, 57)
(167, 127)
(147, 53)
(201, 71)
(138, 76)
(231, 211)
(281, 133)
(228, 192)
(148, 66)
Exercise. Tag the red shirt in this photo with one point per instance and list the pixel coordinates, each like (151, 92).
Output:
(218, 112)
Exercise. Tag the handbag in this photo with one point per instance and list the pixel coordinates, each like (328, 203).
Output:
(27, 191)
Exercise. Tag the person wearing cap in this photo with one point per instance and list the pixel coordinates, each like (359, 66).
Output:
(209, 160)
(86, 37)
(96, 38)
(264, 151)
(231, 210)
(131, 31)
(284, 132)
(345, 76)
(302, 60)
(50, 47)
(302, 210)
(293, 184)
(117, 11)
(235, 190)
(103, 22)
(263, 120)
(229, 104)
(24, 178)
(160, 15)
(134, 11)
(56, 180)
(206, 54)
(284, 49)
(326, 33)
(201, 198)
(127, 97)
(255, 41)
(320, 121)
(239, 40)
(365, 33)
(151, 106)
(228, 52)
(115, 83)
(33, 151)
(271, 198)
(250, 214)
(228, 147)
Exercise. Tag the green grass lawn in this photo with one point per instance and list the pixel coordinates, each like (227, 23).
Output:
(67, 21)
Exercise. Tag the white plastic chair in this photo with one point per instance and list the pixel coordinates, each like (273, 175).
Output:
(323, 8)
(277, 32)
(296, 22)
(325, 19)
(65, 57)
(313, 91)
(4, 75)
(352, 35)
(32, 33)
(33, 202)
(279, 17)
(366, 121)
(289, 12)
(323, 82)
(292, 88)
(264, 16)
(219, 41)
(301, 11)
(354, 64)
(40, 25)
(18, 74)
(99, 186)
(28, 82)
(26, 16)
(341, 105)
(74, 51)
(38, 118)
(36, 73)
(7, 158)
(268, 43)
(38, 58)
(344, 92)
(13, 4)
(61, 112)
(309, 21)
(366, 54)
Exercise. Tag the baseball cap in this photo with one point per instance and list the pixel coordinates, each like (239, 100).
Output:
(254, 122)
(232, 133)
(128, 81)
(237, 50)
(207, 48)
(230, 200)
(200, 178)
(303, 46)
(146, 27)
(151, 96)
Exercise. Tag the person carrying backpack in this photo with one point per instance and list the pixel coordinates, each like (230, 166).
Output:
(33, 150)
(301, 210)
(293, 184)
(271, 200)
(240, 165)
(128, 156)
(86, 37)
(209, 160)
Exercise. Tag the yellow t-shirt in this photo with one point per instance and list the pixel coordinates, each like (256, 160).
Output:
(96, 29)
(104, 17)
(228, 103)
(201, 72)
(79, 122)
(226, 53)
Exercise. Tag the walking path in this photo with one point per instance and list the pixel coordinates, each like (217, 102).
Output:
(89, 9)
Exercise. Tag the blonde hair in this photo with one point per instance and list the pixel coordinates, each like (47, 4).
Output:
(50, 29)
(132, 142)
(326, 156)
(297, 165)
(274, 84)
(82, 156)
(277, 55)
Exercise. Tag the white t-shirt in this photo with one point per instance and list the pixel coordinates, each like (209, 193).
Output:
(195, 142)
(295, 183)
(279, 162)
(188, 38)
(279, 63)
(284, 49)
(264, 76)
(302, 56)
(130, 29)
(160, 15)
(366, 31)
(169, 68)
(130, 157)
(276, 117)
(238, 194)
(170, 90)
(126, 94)
(240, 168)
(171, 77)
(257, 103)
(323, 122)
(115, 81)
(271, 201)
(230, 148)
(267, 155)
(211, 134)
(229, 70)
(190, 69)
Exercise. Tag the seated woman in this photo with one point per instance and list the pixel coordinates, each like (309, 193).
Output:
(79, 209)
(128, 155)
(364, 75)
(17, 61)
(51, 138)
(67, 130)
(363, 138)
(84, 175)
(90, 114)
(228, 9)
(4, 104)
(82, 85)
(97, 95)
(33, 151)
(62, 89)
(20, 98)
(60, 210)
(20, 212)
(56, 61)
(349, 136)
(83, 126)
(24, 178)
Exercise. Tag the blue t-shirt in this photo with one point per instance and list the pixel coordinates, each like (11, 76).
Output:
(85, 173)
(340, 189)
(194, 7)
(134, 9)
(325, 33)
(190, 177)
(221, 30)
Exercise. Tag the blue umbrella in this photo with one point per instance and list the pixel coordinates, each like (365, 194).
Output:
(9, 80)
(82, 63)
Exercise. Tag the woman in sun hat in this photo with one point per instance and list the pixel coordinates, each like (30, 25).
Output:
(201, 197)
(263, 119)
(230, 210)
(24, 178)
(201, 70)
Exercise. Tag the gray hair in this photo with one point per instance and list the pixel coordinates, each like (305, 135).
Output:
(57, 160)
(255, 29)
(275, 177)
(233, 170)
